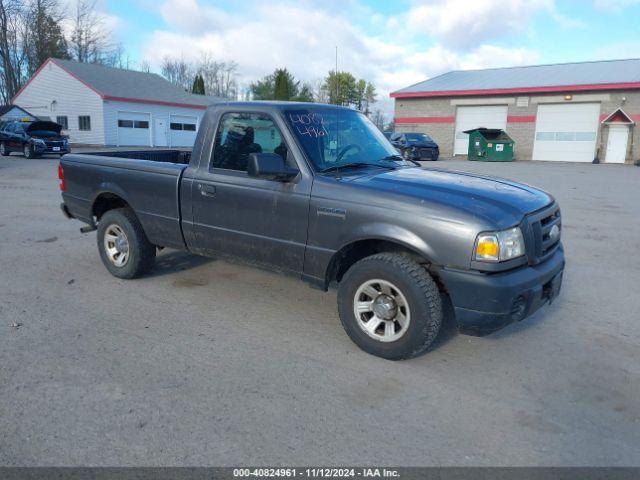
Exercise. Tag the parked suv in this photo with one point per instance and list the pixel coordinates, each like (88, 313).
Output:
(415, 146)
(33, 139)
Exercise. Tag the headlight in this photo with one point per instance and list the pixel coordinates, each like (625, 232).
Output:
(39, 141)
(499, 246)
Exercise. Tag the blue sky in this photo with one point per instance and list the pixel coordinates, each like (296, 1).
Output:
(392, 43)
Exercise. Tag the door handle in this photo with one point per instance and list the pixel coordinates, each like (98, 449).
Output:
(207, 190)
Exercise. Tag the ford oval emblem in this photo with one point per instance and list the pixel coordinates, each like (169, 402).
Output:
(554, 233)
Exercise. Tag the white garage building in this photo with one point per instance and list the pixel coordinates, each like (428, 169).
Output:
(573, 112)
(98, 105)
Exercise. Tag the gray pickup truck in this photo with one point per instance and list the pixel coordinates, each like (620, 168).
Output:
(316, 191)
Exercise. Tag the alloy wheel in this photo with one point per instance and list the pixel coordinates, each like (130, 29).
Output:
(116, 245)
(381, 310)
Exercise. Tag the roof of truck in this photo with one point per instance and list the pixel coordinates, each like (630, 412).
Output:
(281, 104)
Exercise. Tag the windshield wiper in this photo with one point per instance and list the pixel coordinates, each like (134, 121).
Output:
(356, 165)
(398, 158)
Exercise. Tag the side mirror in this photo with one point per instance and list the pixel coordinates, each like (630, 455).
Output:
(270, 166)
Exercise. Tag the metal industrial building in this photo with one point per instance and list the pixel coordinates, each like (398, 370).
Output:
(111, 106)
(574, 112)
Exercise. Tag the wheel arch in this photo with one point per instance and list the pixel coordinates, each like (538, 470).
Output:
(107, 199)
(357, 249)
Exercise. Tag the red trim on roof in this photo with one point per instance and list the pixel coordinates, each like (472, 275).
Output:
(617, 116)
(154, 102)
(77, 78)
(106, 97)
(521, 118)
(46, 62)
(29, 81)
(425, 119)
(506, 91)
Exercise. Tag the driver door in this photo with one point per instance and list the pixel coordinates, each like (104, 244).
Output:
(257, 220)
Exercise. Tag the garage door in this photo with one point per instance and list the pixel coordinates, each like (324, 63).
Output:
(183, 130)
(566, 132)
(133, 129)
(473, 117)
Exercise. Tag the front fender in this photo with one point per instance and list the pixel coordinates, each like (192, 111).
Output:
(394, 234)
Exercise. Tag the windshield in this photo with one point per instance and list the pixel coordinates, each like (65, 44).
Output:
(417, 137)
(333, 137)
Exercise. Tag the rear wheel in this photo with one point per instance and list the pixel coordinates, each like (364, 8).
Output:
(124, 248)
(3, 150)
(390, 306)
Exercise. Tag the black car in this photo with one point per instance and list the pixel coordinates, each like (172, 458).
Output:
(415, 146)
(33, 139)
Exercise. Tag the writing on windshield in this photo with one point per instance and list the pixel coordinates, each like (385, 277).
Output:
(310, 124)
(334, 136)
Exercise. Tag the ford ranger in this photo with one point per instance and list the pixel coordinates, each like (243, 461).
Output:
(318, 192)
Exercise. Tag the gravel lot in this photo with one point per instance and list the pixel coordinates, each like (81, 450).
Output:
(209, 363)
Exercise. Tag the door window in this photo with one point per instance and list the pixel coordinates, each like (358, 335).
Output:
(241, 134)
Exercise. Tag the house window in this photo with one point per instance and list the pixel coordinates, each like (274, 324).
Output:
(189, 127)
(63, 121)
(125, 123)
(141, 124)
(84, 122)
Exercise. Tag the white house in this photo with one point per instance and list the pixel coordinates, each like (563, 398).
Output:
(99, 105)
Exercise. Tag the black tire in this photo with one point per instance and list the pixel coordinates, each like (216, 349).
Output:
(142, 253)
(3, 150)
(28, 152)
(420, 292)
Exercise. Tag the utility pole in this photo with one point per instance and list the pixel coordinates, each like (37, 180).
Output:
(336, 75)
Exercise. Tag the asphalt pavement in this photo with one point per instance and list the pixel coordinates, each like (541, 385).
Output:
(208, 363)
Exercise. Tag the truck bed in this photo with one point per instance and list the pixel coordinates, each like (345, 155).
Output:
(147, 180)
(166, 156)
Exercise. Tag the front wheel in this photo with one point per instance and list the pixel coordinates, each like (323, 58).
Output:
(28, 152)
(124, 247)
(390, 306)
(3, 150)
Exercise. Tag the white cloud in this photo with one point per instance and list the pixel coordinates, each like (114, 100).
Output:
(614, 5)
(303, 37)
(464, 24)
(190, 16)
(110, 23)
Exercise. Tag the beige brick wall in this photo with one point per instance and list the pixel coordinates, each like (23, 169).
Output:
(522, 132)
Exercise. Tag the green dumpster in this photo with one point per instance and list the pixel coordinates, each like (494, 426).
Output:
(490, 145)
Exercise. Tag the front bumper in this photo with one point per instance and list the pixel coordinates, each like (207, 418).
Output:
(484, 303)
(46, 149)
(424, 156)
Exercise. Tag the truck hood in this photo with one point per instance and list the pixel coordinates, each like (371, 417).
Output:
(501, 202)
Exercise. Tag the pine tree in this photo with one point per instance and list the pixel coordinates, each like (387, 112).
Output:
(198, 85)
